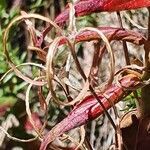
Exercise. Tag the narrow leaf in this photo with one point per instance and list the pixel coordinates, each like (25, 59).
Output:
(86, 7)
(90, 109)
(114, 33)
(93, 6)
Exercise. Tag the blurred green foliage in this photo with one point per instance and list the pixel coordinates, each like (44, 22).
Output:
(6, 95)
(12, 85)
(130, 100)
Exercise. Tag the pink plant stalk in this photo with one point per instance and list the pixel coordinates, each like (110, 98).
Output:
(89, 108)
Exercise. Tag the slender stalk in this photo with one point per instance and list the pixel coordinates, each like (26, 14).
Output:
(105, 110)
(90, 87)
(145, 92)
(95, 64)
(125, 48)
(126, 52)
(149, 25)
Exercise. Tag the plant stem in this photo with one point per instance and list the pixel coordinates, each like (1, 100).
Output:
(126, 52)
(90, 87)
(145, 92)
(149, 24)
(125, 48)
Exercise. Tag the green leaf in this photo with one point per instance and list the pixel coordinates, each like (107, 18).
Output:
(7, 100)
